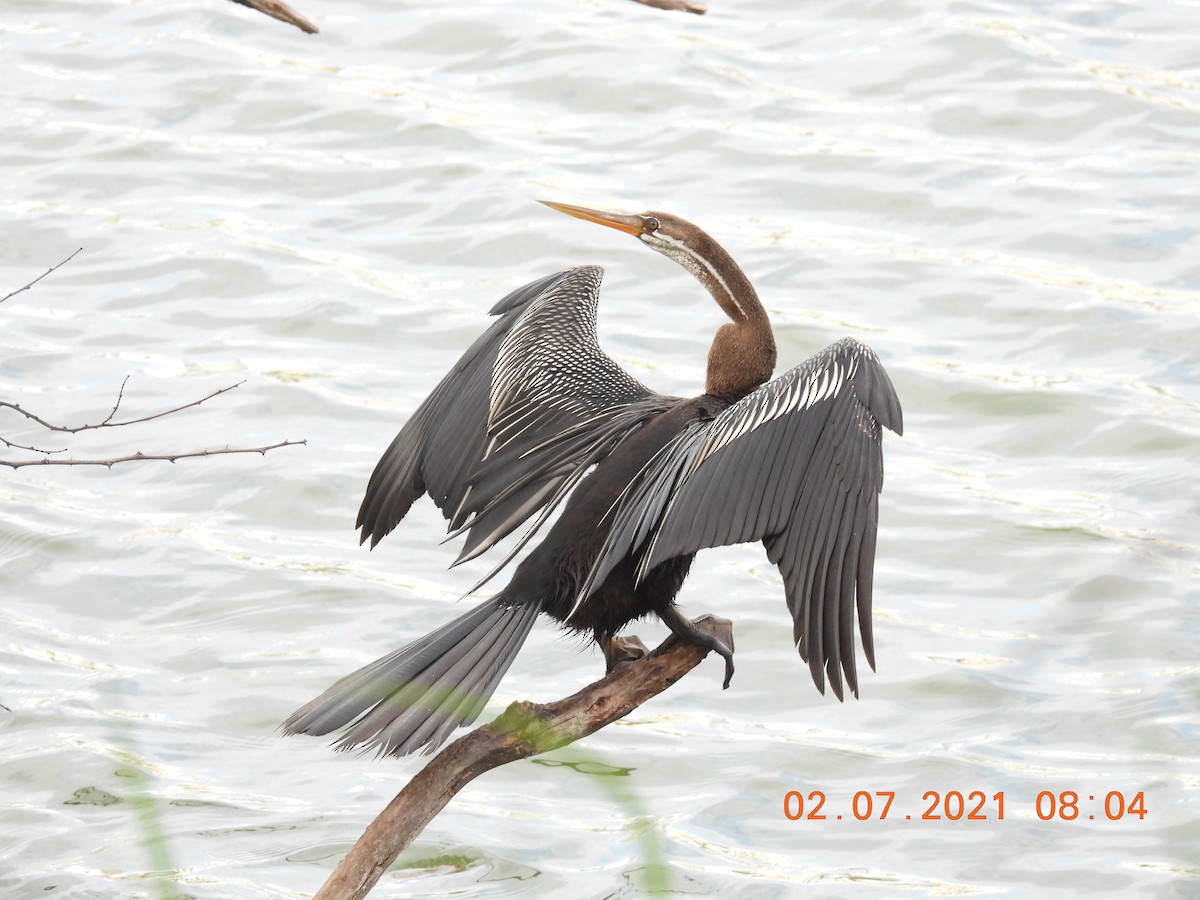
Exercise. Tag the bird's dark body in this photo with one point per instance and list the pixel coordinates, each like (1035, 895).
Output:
(555, 571)
(535, 417)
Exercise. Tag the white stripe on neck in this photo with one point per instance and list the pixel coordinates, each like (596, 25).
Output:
(683, 254)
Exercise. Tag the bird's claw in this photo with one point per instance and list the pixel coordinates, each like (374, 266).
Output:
(708, 631)
(721, 633)
(728, 654)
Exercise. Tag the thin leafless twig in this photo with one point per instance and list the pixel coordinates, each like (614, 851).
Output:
(120, 397)
(40, 277)
(108, 423)
(15, 446)
(144, 457)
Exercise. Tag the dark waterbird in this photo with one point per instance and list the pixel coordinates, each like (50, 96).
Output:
(535, 413)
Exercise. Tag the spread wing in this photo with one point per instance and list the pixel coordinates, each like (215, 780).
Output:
(797, 464)
(517, 421)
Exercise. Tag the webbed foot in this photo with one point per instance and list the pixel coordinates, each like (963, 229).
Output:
(620, 651)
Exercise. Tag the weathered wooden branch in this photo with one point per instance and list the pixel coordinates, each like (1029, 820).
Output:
(277, 9)
(681, 5)
(524, 729)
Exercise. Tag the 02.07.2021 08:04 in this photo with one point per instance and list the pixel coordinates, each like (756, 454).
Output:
(975, 806)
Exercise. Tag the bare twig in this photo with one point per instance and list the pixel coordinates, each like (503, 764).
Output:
(15, 446)
(524, 729)
(144, 457)
(108, 422)
(40, 277)
(277, 9)
(120, 397)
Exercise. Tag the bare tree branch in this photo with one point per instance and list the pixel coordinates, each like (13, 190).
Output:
(277, 9)
(524, 729)
(108, 423)
(40, 277)
(143, 457)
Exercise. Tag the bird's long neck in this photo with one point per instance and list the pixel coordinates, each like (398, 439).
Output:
(742, 355)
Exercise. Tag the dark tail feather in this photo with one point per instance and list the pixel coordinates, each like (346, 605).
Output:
(416, 696)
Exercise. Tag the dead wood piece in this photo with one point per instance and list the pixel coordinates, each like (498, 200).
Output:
(681, 5)
(524, 729)
(277, 9)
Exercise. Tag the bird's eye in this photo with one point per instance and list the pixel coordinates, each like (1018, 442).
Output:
(650, 224)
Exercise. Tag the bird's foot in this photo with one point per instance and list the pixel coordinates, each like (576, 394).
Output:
(621, 651)
(708, 631)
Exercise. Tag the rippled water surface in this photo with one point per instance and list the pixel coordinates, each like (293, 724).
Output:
(1000, 198)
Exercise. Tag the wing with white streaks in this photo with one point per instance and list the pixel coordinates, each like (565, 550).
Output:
(797, 464)
(527, 407)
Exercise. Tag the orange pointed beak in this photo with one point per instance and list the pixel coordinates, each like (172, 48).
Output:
(635, 225)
